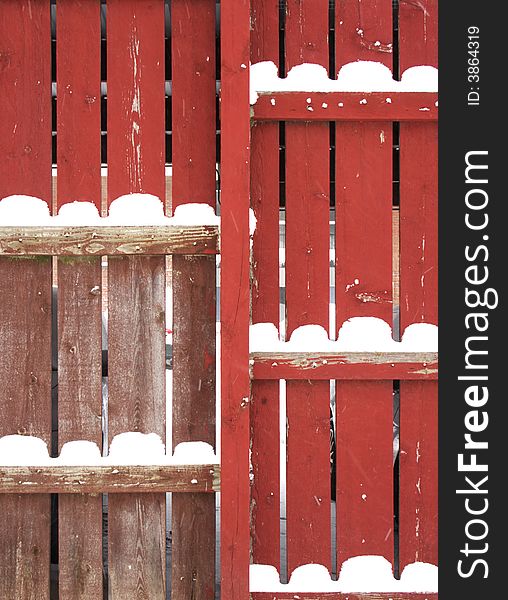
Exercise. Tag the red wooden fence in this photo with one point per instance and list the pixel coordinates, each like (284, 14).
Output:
(304, 168)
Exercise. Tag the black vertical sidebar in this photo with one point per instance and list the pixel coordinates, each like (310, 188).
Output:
(473, 332)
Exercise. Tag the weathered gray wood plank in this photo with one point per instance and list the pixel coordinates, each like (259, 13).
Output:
(108, 240)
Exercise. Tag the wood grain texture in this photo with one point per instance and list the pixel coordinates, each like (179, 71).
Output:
(307, 299)
(363, 276)
(418, 26)
(25, 287)
(137, 560)
(79, 289)
(194, 285)
(346, 106)
(111, 479)
(234, 302)
(264, 414)
(353, 365)
(108, 240)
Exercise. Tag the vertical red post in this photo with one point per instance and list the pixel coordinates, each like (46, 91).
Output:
(307, 296)
(265, 434)
(418, 297)
(235, 384)
(194, 287)
(136, 327)
(25, 289)
(363, 288)
(79, 283)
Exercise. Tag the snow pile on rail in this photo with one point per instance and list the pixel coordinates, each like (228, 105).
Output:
(362, 574)
(359, 334)
(131, 209)
(359, 76)
(129, 448)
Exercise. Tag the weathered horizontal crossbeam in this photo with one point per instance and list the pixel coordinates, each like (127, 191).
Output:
(108, 240)
(346, 106)
(343, 596)
(109, 479)
(348, 365)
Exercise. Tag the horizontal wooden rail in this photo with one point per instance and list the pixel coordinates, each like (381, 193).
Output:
(108, 240)
(346, 106)
(109, 479)
(348, 365)
(343, 596)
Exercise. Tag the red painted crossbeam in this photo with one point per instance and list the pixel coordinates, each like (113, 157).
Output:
(351, 365)
(342, 596)
(346, 106)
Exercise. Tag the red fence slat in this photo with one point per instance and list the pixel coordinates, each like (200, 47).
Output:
(193, 126)
(418, 297)
(265, 435)
(364, 289)
(235, 305)
(137, 561)
(307, 294)
(79, 283)
(25, 289)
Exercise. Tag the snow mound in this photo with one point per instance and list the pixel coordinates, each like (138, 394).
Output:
(84, 213)
(134, 448)
(23, 210)
(360, 76)
(136, 209)
(195, 214)
(23, 450)
(362, 574)
(129, 448)
(79, 452)
(194, 453)
(130, 209)
(358, 334)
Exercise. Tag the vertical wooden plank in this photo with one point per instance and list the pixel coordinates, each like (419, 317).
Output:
(194, 285)
(307, 297)
(418, 297)
(235, 384)
(25, 288)
(79, 289)
(363, 287)
(137, 563)
(265, 435)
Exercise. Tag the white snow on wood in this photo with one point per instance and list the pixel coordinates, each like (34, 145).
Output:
(79, 452)
(134, 448)
(195, 214)
(129, 448)
(131, 209)
(359, 76)
(82, 213)
(358, 334)
(362, 574)
(194, 453)
(23, 450)
(23, 210)
(421, 337)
